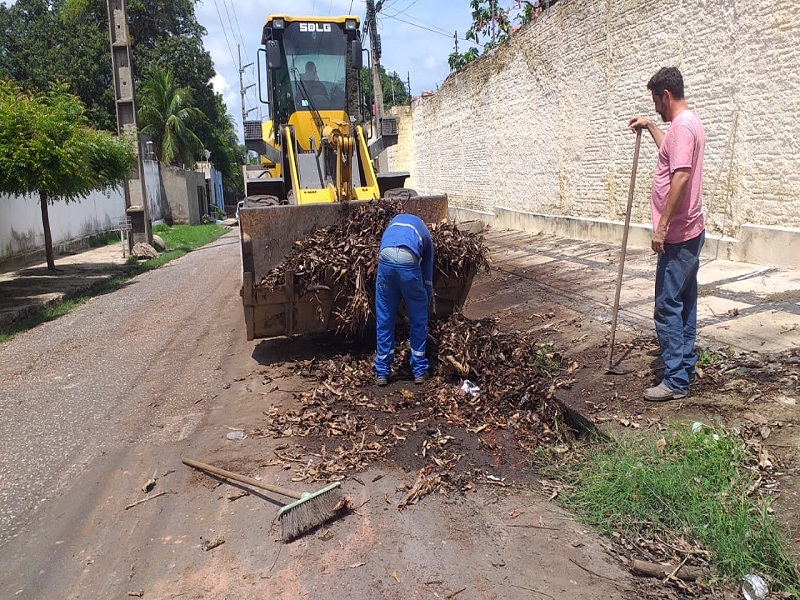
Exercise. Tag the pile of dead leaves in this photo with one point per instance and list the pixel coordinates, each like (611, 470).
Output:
(344, 258)
(485, 383)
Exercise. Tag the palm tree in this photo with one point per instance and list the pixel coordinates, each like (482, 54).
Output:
(167, 114)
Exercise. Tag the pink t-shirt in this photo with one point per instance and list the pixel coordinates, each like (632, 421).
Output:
(682, 147)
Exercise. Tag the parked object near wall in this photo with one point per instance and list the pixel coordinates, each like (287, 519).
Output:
(533, 135)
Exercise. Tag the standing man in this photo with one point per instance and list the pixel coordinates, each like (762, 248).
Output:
(678, 230)
(405, 270)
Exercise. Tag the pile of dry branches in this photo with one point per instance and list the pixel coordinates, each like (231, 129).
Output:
(515, 378)
(344, 257)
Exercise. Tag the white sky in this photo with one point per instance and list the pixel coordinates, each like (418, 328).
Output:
(416, 38)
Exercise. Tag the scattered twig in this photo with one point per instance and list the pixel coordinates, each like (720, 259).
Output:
(143, 500)
(592, 572)
(454, 594)
(527, 589)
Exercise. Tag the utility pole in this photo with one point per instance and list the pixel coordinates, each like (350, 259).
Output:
(242, 88)
(375, 49)
(136, 207)
(408, 76)
(455, 39)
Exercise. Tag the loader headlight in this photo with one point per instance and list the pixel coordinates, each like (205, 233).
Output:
(277, 24)
(350, 24)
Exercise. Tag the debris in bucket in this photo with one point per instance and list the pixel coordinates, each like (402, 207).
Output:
(345, 255)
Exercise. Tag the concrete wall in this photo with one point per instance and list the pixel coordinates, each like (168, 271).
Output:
(21, 232)
(533, 135)
(179, 191)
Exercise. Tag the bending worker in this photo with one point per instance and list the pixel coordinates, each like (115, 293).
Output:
(405, 270)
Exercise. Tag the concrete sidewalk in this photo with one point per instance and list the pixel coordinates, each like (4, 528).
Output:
(745, 306)
(28, 288)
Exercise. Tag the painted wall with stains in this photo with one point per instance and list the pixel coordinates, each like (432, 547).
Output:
(538, 126)
(21, 230)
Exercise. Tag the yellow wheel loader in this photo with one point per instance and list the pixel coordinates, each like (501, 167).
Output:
(313, 161)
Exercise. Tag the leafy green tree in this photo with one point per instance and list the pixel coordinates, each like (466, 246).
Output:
(492, 24)
(394, 89)
(42, 40)
(167, 114)
(490, 21)
(47, 147)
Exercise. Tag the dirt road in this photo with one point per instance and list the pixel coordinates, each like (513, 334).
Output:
(95, 404)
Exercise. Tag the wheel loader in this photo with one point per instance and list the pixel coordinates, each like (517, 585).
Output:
(312, 162)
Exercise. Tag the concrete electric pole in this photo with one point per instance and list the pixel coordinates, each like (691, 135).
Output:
(242, 88)
(375, 50)
(127, 122)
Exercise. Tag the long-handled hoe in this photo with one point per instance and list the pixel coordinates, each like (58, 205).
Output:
(307, 512)
(610, 368)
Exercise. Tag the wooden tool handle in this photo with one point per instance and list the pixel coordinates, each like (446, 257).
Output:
(623, 251)
(242, 478)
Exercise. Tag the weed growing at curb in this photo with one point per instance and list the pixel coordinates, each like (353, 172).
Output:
(690, 484)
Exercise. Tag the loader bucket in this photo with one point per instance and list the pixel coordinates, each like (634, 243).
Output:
(267, 237)
(273, 230)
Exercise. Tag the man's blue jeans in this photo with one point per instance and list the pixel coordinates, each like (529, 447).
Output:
(401, 278)
(676, 310)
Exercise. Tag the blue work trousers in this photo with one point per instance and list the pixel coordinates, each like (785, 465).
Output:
(398, 280)
(676, 310)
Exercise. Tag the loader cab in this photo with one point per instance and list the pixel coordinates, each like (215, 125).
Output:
(313, 68)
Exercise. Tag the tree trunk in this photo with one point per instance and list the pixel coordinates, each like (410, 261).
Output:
(48, 239)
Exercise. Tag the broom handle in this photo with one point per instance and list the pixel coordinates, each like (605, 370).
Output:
(242, 478)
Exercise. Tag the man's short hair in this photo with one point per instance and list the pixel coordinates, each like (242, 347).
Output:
(667, 78)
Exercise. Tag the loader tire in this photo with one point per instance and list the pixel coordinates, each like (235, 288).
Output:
(399, 193)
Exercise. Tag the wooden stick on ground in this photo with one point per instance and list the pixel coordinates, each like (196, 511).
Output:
(648, 569)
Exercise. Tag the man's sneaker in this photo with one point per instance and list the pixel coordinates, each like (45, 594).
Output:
(381, 380)
(422, 378)
(692, 378)
(661, 393)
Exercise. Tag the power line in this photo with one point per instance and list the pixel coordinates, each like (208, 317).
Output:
(224, 33)
(439, 32)
(241, 37)
(402, 12)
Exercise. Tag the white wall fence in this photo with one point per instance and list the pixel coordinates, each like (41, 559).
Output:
(21, 230)
(533, 135)
(71, 224)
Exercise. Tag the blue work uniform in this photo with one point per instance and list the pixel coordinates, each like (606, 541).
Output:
(405, 270)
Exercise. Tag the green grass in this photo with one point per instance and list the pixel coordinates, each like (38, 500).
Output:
(180, 240)
(106, 239)
(685, 485)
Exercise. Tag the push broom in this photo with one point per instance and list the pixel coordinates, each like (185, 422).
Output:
(309, 510)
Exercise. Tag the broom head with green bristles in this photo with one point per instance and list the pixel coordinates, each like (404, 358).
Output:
(312, 510)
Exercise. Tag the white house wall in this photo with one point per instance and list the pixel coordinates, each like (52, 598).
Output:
(21, 220)
(534, 134)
